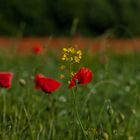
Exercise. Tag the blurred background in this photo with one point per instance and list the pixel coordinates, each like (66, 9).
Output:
(121, 18)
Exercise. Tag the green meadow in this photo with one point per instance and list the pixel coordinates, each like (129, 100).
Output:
(108, 106)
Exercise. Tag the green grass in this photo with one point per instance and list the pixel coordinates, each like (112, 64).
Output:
(108, 106)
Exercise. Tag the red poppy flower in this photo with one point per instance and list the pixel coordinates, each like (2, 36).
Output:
(6, 79)
(37, 48)
(46, 84)
(83, 76)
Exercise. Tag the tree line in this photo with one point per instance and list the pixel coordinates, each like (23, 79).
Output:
(69, 17)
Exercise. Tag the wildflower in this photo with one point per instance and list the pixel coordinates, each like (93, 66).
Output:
(83, 76)
(6, 79)
(37, 48)
(72, 74)
(71, 55)
(46, 84)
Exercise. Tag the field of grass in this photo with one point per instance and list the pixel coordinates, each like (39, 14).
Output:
(108, 106)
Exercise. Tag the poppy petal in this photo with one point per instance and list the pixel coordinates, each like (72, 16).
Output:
(46, 84)
(83, 76)
(6, 79)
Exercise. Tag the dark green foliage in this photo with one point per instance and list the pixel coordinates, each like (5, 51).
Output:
(56, 17)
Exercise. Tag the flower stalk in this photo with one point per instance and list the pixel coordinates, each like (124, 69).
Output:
(77, 114)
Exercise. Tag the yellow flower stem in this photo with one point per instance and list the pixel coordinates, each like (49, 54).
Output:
(77, 114)
(70, 70)
(75, 110)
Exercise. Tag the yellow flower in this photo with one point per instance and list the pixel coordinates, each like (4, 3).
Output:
(77, 59)
(71, 50)
(65, 49)
(71, 55)
(72, 74)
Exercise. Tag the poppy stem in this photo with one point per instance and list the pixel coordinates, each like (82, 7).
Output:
(4, 109)
(77, 115)
(102, 110)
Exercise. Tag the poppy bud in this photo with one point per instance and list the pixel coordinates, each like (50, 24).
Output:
(130, 138)
(110, 111)
(22, 82)
(134, 111)
(117, 121)
(115, 132)
(122, 117)
(105, 136)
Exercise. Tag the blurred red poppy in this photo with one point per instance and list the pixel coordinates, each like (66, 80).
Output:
(6, 79)
(46, 84)
(37, 48)
(83, 76)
